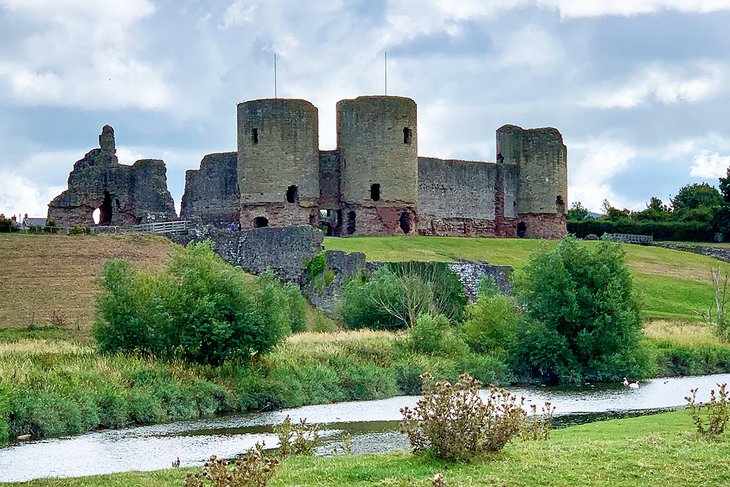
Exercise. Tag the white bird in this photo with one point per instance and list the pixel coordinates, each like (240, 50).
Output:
(630, 385)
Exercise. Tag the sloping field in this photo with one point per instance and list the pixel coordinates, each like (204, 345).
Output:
(672, 284)
(46, 278)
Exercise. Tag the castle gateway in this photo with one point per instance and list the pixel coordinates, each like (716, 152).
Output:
(374, 182)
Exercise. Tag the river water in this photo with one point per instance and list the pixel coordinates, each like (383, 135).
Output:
(373, 426)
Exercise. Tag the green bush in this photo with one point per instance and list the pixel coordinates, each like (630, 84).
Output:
(297, 305)
(200, 309)
(5, 410)
(582, 314)
(358, 307)
(395, 295)
(491, 324)
(433, 335)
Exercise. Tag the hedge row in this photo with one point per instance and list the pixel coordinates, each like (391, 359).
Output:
(683, 231)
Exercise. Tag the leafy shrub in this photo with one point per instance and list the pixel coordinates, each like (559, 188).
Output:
(321, 323)
(395, 295)
(717, 411)
(77, 230)
(5, 409)
(454, 423)
(253, 470)
(583, 315)
(297, 306)
(366, 381)
(358, 309)
(433, 335)
(200, 309)
(677, 359)
(491, 324)
(487, 369)
(297, 439)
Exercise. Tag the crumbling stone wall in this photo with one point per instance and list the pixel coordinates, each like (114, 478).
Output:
(211, 192)
(126, 195)
(540, 157)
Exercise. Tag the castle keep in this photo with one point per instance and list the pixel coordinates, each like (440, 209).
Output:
(373, 183)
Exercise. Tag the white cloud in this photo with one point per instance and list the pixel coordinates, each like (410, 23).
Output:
(532, 47)
(84, 54)
(627, 8)
(709, 165)
(662, 85)
(19, 195)
(593, 163)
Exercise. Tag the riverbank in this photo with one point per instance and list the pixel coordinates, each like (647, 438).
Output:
(660, 449)
(54, 387)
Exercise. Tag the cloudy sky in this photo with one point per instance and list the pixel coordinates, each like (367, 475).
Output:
(640, 89)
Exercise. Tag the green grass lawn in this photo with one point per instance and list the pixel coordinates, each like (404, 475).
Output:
(673, 284)
(646, 451)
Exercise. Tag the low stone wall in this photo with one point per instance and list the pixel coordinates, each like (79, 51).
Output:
(283, 250)
(720, 253)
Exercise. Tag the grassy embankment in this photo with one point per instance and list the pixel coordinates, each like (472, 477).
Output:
(61, 388)
(672, 284)
(645, 451)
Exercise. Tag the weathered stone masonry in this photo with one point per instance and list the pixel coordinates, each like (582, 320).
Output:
(374, 183)
(125, 195)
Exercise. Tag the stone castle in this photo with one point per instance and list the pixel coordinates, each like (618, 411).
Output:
(373, 183)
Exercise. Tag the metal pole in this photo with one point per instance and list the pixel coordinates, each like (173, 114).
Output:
(275, 93)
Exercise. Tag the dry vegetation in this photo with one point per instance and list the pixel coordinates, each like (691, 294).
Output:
(49, 279)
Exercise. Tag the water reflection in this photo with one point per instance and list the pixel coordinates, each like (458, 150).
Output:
(372, 424)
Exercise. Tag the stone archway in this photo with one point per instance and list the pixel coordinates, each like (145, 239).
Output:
(106, 210)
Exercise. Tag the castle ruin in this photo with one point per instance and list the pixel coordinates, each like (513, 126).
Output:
(125, 195)
(373, 183)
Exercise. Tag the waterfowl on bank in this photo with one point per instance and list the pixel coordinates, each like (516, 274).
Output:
(630, 385)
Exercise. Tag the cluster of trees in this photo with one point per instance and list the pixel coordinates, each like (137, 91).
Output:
(574, 316)
(695, 213)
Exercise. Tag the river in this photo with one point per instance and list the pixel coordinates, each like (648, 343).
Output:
(373, 426)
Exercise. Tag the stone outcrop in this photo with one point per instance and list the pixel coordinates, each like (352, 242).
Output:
(125, 195)
(211, 193)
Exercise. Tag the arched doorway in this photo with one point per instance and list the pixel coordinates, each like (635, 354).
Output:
(105, 210)
(260, 222)
(405, 222)
(521, 229)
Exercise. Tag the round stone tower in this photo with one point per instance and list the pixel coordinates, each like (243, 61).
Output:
(539, 158)
(278, 162)
(378, 149)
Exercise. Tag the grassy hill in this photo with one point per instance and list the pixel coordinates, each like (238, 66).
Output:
(673, 284)
(50, 278)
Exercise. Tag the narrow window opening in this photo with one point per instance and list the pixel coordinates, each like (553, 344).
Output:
(260, 222)
(351, 216)
(327, 229)
(292, 194)
(521, 230)
(560, 205)
(500, 158)
(407, 135)
(375, 192)
(255, 136)
(405, 222)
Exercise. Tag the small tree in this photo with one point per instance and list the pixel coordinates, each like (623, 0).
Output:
(577, 211)
(582, 315)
